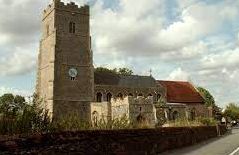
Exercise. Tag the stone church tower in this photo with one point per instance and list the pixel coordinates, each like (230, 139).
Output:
(65, 79)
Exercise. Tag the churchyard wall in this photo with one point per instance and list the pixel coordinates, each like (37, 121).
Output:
(126, 142)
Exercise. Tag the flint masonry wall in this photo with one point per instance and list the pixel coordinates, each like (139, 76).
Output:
(144, 108)
(115, 142)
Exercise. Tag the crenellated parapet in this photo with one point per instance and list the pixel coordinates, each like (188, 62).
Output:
(70, 7)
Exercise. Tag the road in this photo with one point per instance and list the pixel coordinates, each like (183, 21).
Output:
(224, 145)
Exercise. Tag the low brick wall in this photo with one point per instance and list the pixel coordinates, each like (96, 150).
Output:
(118, 142)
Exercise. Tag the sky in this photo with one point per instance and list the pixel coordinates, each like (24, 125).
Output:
(186, 40)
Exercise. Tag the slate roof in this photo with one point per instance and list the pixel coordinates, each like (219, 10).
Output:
(181, 92)
(135, 81)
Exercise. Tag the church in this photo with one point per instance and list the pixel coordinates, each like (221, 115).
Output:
(68, 84)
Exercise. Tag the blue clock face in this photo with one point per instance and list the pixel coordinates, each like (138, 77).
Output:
(73, 72)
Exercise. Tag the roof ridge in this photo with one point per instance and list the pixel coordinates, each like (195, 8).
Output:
(173, 81)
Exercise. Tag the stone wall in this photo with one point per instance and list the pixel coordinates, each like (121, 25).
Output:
(99, 111)
(200, 110)
(142, 110)
(115, 142)
(176, 111)
(129, 107)
(120, 107)
(187, 110)
(114, 90)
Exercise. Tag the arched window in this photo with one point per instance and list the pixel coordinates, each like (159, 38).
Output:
(95, 116)
(72, 27)
(141, 119)
(99, 97)
(150, 96)
(108, 97)
(140, 94)
(193, 114)
(130, 94)
(120, 95)
(175, 115)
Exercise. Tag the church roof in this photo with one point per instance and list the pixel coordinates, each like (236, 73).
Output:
(181, 92)
(136, 81)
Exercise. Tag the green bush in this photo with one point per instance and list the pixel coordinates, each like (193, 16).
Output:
(183, 122)
(200, 121)
(207, 121)
(117, 123)
(70, 123)
(33, 119)
(73, 123)
(29, 119)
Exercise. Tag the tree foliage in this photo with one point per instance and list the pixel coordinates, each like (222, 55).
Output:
(119, 71)
(11, 105)
(125, 71)
(208, 98)
(106, 70)
(17, 116)
(232, 111)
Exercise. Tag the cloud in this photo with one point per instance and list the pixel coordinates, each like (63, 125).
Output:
(123, 32)
(126, 29)
(17, 63)
(187, 52)
(201, 38)
(141, 32)
(19, 35)
(179, 75)
(227, 59)
(19, 24)
(15, 91)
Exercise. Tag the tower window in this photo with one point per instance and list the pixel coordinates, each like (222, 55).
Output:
(72, 27)
(47, 30)
(73, 78)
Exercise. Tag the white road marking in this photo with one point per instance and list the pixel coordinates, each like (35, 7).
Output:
(235, 151)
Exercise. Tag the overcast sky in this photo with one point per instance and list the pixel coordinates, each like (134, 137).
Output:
(192, 40)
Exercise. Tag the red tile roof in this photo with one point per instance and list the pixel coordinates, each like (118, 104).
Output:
(181, 92)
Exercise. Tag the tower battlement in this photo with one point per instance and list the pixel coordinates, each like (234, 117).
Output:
(72, 7)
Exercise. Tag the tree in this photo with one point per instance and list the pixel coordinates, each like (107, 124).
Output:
(119, 71)
(105, 70)
(19, 101)
(125, 71)
(208, 98)
(11, 105)
(232, 111)
(19, 117)
(6, 102)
